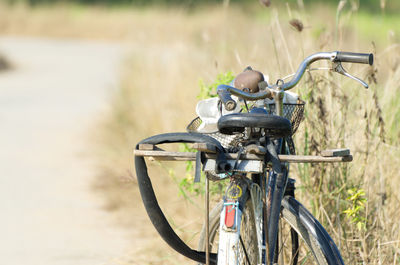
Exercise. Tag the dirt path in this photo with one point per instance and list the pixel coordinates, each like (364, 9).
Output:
(47, 106)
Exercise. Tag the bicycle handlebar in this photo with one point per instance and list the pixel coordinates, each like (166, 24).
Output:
(347, 57)
(225, 96)
(224, 91)
(351, 57)
(303, 66)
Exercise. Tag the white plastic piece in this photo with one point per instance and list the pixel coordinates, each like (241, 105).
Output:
(209, 113)
(266, 78)
(207, 110)
(248, 166)
(288, 98)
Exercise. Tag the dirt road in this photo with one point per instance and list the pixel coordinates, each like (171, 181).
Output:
(48, 104)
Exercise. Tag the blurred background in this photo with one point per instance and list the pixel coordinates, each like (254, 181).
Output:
(81, 82)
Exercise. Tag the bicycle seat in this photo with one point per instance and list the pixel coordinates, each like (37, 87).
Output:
(275, 126)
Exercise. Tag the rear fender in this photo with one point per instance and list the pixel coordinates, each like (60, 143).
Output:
(231, 215)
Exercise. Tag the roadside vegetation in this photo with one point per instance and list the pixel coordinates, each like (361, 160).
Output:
(357, 202)
(174, 48)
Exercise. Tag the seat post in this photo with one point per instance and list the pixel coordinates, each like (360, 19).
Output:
(278, 97)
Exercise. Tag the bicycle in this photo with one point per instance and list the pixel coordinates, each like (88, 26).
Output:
(259, 220)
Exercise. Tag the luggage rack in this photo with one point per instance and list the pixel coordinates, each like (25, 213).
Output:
(155, 153)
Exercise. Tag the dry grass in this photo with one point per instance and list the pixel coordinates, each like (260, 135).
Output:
(72, 21)
(172, 49)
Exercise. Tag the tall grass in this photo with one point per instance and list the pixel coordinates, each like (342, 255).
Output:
(172, 50)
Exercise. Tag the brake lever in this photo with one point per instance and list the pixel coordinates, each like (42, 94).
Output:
(338, 68)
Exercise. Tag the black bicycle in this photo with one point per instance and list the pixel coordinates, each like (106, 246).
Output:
(259, 220)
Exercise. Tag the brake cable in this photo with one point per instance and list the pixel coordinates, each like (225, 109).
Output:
(308, 70)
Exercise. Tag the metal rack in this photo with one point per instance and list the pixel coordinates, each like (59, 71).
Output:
(155, 153)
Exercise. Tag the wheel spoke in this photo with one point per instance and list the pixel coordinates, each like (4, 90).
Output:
(244, 250)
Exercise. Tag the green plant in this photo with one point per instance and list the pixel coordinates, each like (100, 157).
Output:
(208, 90)
(186, 184)
(355, 212)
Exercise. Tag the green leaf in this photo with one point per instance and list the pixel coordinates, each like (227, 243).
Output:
(210, 91)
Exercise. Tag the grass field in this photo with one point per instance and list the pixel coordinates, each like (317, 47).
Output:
(159, 89)
(172, 49)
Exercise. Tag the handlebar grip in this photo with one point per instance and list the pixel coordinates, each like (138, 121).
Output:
(225, 97)
(351, 57)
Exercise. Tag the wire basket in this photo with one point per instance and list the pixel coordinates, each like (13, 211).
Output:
(225, 139)
(292, 112)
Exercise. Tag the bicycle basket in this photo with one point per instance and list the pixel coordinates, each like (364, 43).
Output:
(225, 140)
(292, 112)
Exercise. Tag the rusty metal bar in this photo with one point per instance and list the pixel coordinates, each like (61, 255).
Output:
(207, 223)
(188, 156)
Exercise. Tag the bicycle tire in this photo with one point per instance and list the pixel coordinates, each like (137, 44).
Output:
(248, 248)
(320, 246)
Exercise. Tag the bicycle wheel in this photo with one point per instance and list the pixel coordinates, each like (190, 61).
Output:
(248, 248)
(313, 247)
